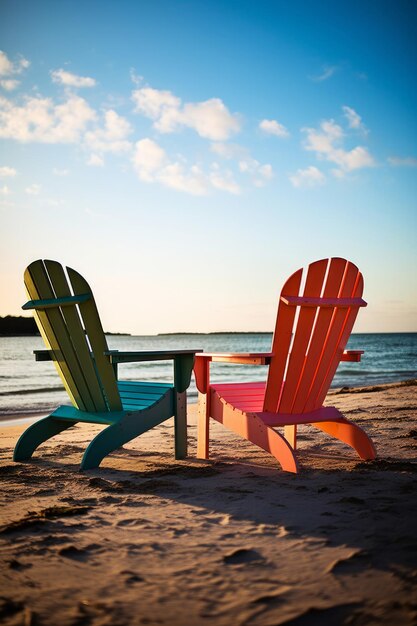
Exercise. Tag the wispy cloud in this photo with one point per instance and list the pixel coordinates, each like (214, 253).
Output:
(259, 173)
(327, 143)
(6, 171)
(210, 119)
(95, 160)
(354, 119)
(33, 190)
(60, 172)
(309, 177)
(327, 72)
(5, 191)
(63, 77)
(9, 84)
(223, 180)
(402, 161)
(9, 68)
(272, 127)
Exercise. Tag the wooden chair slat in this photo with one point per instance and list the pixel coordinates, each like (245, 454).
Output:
(280, 344)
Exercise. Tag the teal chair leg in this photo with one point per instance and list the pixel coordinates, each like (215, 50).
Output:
(36, 434)
(181, 425)
(115, 435)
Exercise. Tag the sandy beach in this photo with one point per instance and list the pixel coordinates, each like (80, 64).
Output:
(146, 539)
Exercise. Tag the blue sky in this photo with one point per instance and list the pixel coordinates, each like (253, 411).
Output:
(186, 157)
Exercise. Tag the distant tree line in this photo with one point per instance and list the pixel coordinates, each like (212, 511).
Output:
(13, 326)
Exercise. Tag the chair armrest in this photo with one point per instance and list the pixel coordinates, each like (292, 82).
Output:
(153, 355)
(127, 357)
(352, 355)
(183, 362)
(203, 360)
(43, 355)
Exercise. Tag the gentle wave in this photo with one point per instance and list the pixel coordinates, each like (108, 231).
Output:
(29, 386)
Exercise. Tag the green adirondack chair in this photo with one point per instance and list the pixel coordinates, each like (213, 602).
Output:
(68, 320)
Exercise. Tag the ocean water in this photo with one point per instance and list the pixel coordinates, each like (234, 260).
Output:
(28, 386)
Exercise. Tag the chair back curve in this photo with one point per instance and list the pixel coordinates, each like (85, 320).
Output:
(68, 320)
(316, 314)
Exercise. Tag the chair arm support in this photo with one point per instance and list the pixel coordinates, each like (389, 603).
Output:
(203, 360)
(352, 355)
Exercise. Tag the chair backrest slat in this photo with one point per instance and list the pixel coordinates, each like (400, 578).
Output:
(280, 344)
(301, 370)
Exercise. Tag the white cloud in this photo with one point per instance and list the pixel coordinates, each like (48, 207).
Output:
(327, 143)
(8, 68)
(310, 177)
(58, 172)
(5, 170)
(327, 72)
(95, 160)
(175, 176)
(402, 161)
(155, 103)
(272, 127)
(353, 118)
(210, 119)
(229, 150)
(40, 119)
(71, 80)
(148, 159)
(33, 190)
(5, 191)
(9, 84)
(112, 137)
(153, 165)
(258, 173)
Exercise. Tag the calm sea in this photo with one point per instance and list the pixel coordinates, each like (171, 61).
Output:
(27, 386)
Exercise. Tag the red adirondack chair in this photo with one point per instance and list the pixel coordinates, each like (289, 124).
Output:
(311, 333)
